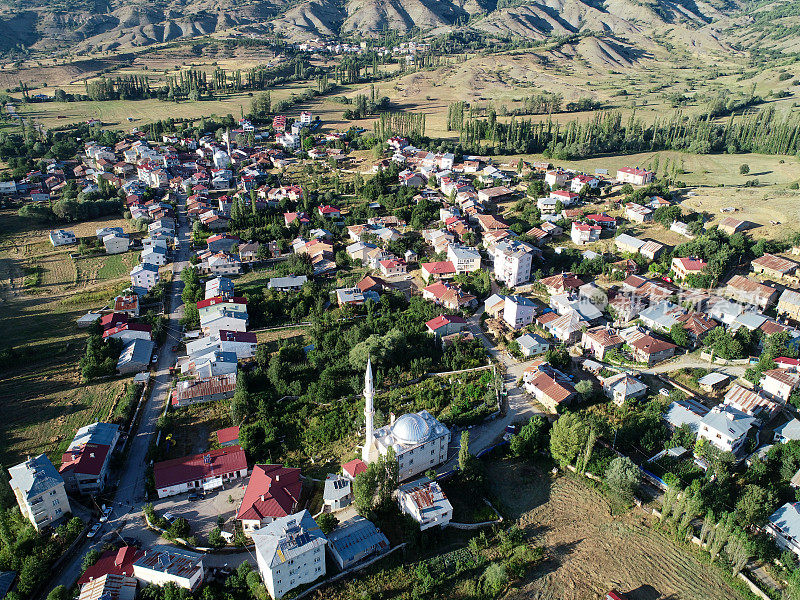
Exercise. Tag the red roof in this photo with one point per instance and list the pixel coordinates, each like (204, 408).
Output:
(444, 267)
(633, 171)
(354, 467)
(585, 227)
(614, 595)
(691, 264)
(228, 434)
(221, 236)
(237, 336)
(87, 459)
(273, 491)
(600, 218)
(443, 320)
(127, 327)
(192, 468)
(113, 319)
(113, 562)
(220, 300)
(328, 210)
(564, 194)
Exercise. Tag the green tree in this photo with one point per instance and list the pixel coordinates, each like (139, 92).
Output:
(754, 505)
(744, 169)
(215, 538)
(91, 557)
(493, 580)
(567, 438)
(530, 439)
(464, 457)
(679, 335)
(327, 522)
(59, 593)
(585, 388)
(623, 477)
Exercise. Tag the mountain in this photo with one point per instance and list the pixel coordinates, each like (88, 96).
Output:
(95, 25)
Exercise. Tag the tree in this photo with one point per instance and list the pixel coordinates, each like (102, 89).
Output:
(180, 528)
(91, 557)
(585, 388)
(215, 538)
(493, 580)
(59, 593)
(744, 169)
(623, 477)
(327, 522)
(679, 335)
(567, 438)
(464, 457)
(530, 439)
(754, 506)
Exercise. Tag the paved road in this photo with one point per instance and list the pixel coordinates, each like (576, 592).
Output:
(692, 361)
(130, 493)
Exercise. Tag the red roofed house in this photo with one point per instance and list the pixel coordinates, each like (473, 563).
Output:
(127, 304)
(113, 562)
(603, 220)
(229, 436)
(300, 217)
(437, 270)
(112, 320)
(353, 468)
(329, 211)
(393, 267)
(635, 175)
(272, 492)
(199, 471)
(445, 325)
(687, 266)
(583, 233)
(448, 295)
(651, 350)
(129, 331)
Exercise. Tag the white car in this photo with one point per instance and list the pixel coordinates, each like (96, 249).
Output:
(93, 531)
(106, 513)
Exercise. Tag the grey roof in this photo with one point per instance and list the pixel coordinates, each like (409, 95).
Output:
(682, 412)
(144, 267)
(96, 433)
(629, 240)
(284, 282)
(288, 537)
(494, 299)
(521, 300)
(751, 320)
(790, 297)
(728, 419)
(35, 476)
(713, 379)
(6, 581)
(789, 430)
(356, 538)
(464, 252)
(787, 520)
(336, 487)
(135, 352)
(531, 339)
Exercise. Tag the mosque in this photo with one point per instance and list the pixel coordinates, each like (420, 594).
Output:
(419, 440)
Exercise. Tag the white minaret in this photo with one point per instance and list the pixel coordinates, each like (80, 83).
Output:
(369, 411)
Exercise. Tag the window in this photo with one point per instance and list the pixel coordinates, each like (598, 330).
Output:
(58, 511)
(55, 502)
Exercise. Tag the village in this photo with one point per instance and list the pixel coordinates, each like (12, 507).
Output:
(552, 278)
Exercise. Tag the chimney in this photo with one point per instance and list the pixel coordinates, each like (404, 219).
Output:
(391, 418)
(262, 497)
(91, 454)
(277, 477)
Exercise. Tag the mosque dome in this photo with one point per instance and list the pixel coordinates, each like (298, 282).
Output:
(411, 429)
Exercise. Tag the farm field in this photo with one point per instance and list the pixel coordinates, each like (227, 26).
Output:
(590, 552)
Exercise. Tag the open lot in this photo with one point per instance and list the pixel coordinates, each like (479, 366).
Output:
(589, 551)
(202, 513)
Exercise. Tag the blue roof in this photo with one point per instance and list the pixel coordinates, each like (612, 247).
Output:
(97, 433)
(6, 581)
(787, 519)
(356, 538)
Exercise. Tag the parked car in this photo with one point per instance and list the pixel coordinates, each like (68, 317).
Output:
(193, 496)
(168, 517)
(93, 531)
(664, 392)
(106, 513)
(154, 360)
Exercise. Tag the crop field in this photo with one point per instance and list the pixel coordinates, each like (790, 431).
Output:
(589, 551)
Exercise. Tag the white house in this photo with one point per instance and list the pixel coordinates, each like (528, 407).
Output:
(338, 492)
(224, 320)
(464, 258)
(144, 276)
(167, 564)
(154, 256)
(784, 526)
(583, 233)
(779, 384)
(635, 176)
(518, 311)
(426, 503)
(40, 491)
(726, 428)
(208, 470)
(512, 262)
(290, 552)
(623, 387)
(116, 243)
(531, 344)
(355, 540)
(60, 237)
(557, 178)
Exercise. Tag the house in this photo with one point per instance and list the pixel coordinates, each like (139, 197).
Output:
(682, 267)
(600, 340)
(588, 310)
(532, 344)
(392, 267)
(685, 412)
(696, 325)
(117, 562)
(224, 319)
(464, 258)
(775, 267)
(106, 587)
(651, 249)
(127, 304)
(518, 311)
(86, 463)
(129, 331)
(489, 223)
(549, 385)
(206, 471)
(351, 296)
(115, 243)
(167, 564)
(248, 252)
(494, 305)
(273, 492)
(437, 270)
(731, 225)
(445, 325)
(222, 242)
(661, 316)
(337, 493)
(751, 403)
(60, 237)
(561, 283)
(787, 432)
(512, 262)
(219, 286)
(353, 468)
(623, 387)
(210, 364)
(212, 307)
(329, 212)
(681, 228)
(638, 212)
(583, 233)
(135, 356)
(144, 276)
(447, 295)
(40, 491)
(354, 540)
(784, 526)
(154, 255)
(726, 428)
(196, 391)
(222, 264)
(494, 194)
(651, 350)
(789, 304)
(110, 320)
(290, 552)
(747, 291)
(242, 343)
(557, 178)
(635, 176)
(566, 328)
(713, 382)
(425, 502)
(228, 436)
(779, 384)
(285, 284)
(566, 198)
(579, 182)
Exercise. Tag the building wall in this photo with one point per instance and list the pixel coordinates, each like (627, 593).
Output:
(302, 569)
(180, 488)
(46, 508)
(151, 576)
(423, 457)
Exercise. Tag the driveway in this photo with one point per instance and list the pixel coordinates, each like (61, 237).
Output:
(202, 513)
